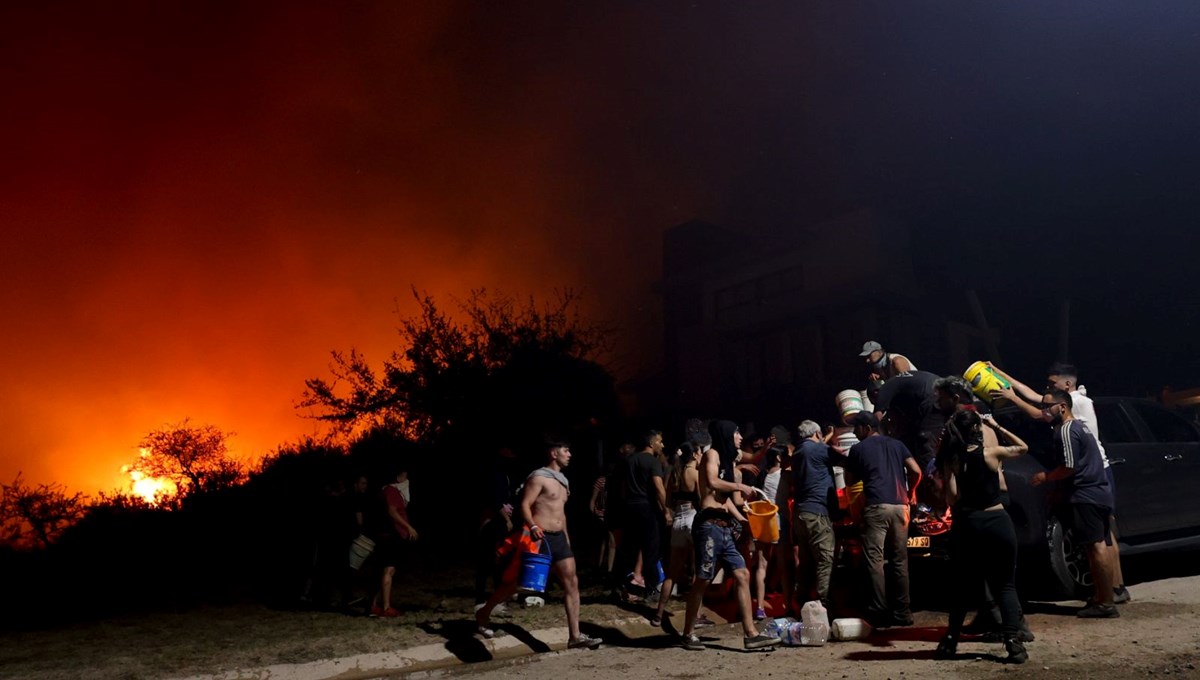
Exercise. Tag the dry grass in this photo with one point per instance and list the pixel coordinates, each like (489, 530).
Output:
(213, 639)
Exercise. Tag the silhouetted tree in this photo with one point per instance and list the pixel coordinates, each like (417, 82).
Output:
(195, 458)
(36, 515)
(505, 361)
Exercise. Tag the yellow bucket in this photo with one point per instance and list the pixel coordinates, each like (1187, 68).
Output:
(853, 500)
(983, 380)
(763, 526)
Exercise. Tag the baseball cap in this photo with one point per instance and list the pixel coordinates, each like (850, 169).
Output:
(865, 419)
(870, 346)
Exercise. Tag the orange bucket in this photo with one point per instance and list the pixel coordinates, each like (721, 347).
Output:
(763, 526)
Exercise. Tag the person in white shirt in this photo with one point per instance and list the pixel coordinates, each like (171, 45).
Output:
(1065, 377)
(884, 365)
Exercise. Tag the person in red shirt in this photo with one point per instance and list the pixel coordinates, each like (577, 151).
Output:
(394, 532)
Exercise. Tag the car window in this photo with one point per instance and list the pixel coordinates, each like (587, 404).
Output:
(1164, 425)
(1114, 425)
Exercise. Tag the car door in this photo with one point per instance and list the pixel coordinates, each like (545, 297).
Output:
(1142, 504)
(1176, 443)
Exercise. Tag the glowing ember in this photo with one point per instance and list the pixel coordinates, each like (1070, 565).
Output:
(153, 490)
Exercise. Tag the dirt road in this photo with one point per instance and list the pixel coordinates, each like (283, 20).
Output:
(1157, 635)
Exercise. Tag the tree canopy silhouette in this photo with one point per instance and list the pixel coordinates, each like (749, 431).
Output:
(34, 516)
(193, 457)
(505, 361)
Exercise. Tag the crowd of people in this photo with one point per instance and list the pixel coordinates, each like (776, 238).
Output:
(675, 517)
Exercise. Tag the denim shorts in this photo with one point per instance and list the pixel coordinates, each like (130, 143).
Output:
(715, 544)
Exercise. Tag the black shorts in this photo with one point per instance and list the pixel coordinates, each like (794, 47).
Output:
(556, 543)
(390, 550)
(1112, 489)
(1089, 522)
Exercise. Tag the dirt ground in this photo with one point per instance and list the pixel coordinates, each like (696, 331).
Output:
(213, 639)
(1157, 635)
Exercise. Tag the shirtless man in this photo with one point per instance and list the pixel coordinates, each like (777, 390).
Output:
(542, 514)
(713, 535)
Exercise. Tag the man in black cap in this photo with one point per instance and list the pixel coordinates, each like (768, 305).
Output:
(885, 365)
(890, 477)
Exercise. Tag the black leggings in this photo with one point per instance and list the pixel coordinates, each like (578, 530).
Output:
(983, 549)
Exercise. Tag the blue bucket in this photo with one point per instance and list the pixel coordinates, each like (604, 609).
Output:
(535, 569)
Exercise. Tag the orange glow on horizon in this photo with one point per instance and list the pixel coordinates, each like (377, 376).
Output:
(153, 490)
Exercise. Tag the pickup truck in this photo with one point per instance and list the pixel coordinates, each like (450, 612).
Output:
(1155, 459)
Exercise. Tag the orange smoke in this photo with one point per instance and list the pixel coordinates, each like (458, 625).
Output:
(193, 247)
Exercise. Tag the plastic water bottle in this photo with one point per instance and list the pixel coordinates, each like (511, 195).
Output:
(662, 576)
(777, 627)
(815, 619)
(813, 635)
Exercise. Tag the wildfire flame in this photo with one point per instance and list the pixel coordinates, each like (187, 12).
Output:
(153, 490)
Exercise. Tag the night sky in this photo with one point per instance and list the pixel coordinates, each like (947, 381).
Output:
(201, 200)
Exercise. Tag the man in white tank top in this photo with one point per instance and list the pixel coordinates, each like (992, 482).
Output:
(884, 365)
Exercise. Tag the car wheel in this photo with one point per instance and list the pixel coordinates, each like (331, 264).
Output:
(1068, 562)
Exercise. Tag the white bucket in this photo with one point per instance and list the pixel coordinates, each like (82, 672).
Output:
(845, 440)
(849, 629)
(360, 550)
(849, 402)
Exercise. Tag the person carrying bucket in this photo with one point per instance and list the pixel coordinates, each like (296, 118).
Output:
(543, 517)
(713, 533)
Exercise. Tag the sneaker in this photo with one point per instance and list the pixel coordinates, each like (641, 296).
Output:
(1098, 611)
(703, 621)
(760, 641)
(390, 613)
(485, 632)
(584, 642)
(760, 614)
(1025, 634)
(946, 649)
(1121, 595)
(692, 642)
(656, 621)
(375, 612)
(981, 625)
(1016, 652)
(902, 620)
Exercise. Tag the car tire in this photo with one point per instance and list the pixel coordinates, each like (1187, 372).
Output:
(1071, 576)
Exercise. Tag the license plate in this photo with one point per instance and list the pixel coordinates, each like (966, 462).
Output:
(918, 541)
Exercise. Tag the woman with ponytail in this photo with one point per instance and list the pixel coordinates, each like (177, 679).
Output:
(983, 542)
